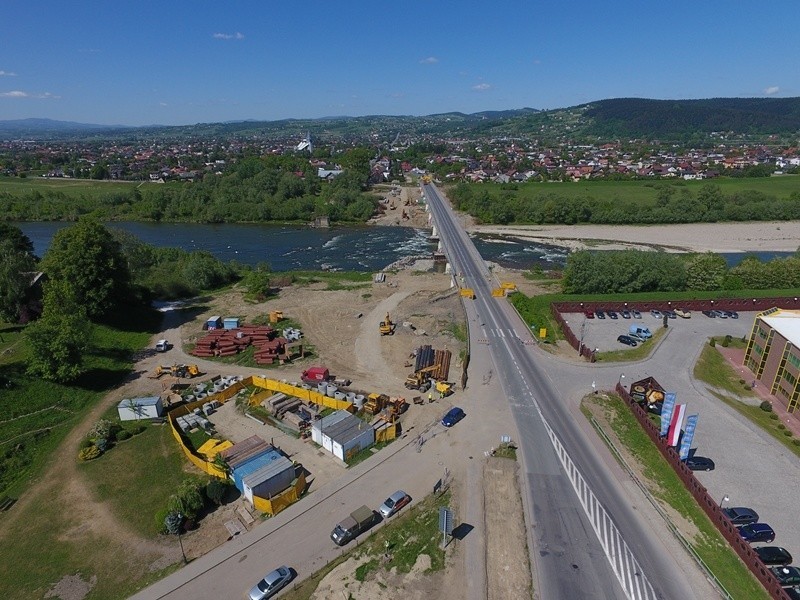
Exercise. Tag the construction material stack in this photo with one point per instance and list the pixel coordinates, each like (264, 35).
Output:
(228, 342)
(430, 365)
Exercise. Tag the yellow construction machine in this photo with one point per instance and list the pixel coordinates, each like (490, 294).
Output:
(386, 326)
(176, 371)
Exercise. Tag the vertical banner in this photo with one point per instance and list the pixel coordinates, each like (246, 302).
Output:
(688, 435)
(675, 424)
(666, 412)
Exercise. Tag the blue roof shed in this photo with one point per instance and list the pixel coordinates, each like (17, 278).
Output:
(231, 323)
(257, 462)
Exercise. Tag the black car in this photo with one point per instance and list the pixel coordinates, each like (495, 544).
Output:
(671, 314)
(625, 314)
(710, 313)
(793, 592)
(757, 532)
(732, 314)
(700, 463)
(600, 313)
(773, 555)
(611, 314)
(740, 515)
(627, 340)
(788, 576)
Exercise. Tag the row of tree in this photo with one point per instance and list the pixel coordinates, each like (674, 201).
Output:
(708, 205)
(631, 271)
(273, 188)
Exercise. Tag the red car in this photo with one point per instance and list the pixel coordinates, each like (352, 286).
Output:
(589, 314)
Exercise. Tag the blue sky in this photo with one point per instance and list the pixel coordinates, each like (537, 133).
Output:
(178, 62)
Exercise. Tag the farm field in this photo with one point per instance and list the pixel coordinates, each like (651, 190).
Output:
(73, 188)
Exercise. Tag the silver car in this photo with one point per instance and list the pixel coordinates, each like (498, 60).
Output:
(394, 503)
(272, 583)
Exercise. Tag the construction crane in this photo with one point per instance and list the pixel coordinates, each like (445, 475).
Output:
(386, 326)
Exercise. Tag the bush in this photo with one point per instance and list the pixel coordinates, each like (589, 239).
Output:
(766, 405)
(796, 442)
(712, 342)
(124, 434)
(86, 443)
(89, 453)
(725, 342)
(216, 490)
(102, 444)
(138, 429)
(781, 426)
(743, 382)
(787, 433)
(774, 417)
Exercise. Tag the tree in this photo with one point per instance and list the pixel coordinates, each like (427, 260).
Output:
(706, 271)
(19, 241)
(16, 270)
(88, 259)
(58, 339)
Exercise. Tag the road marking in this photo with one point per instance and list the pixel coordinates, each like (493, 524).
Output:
(624, 564)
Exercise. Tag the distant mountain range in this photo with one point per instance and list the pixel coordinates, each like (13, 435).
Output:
(621, 118)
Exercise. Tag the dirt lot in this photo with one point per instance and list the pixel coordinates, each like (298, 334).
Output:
(342, 327)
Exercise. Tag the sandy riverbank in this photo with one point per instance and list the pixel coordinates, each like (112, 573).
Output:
(768, 236)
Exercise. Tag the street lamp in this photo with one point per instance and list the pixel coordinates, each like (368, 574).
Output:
(724, 500)
(180, 541)
(621, 377)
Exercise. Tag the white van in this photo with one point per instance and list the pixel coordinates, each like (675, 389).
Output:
(162, 346)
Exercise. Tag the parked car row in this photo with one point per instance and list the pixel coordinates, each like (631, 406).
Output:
(778, 559)
(721, 314)
(602, 313)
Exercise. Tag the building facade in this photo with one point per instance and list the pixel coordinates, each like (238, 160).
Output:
(773, 353)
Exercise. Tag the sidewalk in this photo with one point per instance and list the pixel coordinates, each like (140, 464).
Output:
(735, 358)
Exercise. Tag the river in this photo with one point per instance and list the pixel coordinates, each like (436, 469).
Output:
(348, 248)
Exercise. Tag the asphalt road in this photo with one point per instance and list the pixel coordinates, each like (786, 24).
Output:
(587, 542)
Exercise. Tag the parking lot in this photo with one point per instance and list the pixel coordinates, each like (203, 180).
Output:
(752, 468)
(602, 333)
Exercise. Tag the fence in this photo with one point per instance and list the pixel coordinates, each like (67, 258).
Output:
(299, 392)
(272, 506)
(706, 502)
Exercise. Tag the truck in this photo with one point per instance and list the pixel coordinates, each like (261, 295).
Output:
(315, 375)
(162, 346)
(356, 523)
(640, 331)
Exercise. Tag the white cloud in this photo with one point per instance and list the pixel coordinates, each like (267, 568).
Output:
(481, 87)
(431, 60)
(21, 94)
(228, 36)
(773, 89)
(163, 104)
(7, 74)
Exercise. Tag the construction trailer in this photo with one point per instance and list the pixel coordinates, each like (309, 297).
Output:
(134, 409)
(342, 434)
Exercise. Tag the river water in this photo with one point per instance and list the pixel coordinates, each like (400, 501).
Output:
(352, 248)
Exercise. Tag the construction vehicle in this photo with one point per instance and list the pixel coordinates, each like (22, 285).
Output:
(443, 388)
(176, 371)
(418, 381)
(386, 326)
(426, 179)
(375, 403)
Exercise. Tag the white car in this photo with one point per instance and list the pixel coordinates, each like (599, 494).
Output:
(273, 582)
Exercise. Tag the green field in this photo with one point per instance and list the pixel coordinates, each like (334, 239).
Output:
(73, 188)
(646, 191)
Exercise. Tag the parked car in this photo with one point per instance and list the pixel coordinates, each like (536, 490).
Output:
(611, 314)
(589, 314)
(720, 314)
(453, 416)
(273, 582)
(788, 576)
(732, 314)
(627, 340)
(700, 463)
(600, 313)
(656, 313)
(740, 515)
(773, 555)
(394, 503)
(671, 314)
(710, 313)
(626, 314)
(793, 592)
(683, 314)
(638, 338)
(757, 532)
(636, 314)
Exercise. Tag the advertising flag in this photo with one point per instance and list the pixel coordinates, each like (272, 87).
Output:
(666, 412)
(688, 435)
(675, 424)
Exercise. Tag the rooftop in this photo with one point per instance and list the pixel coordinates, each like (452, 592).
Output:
(785, 322)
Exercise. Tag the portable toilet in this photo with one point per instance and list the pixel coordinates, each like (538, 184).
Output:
(231, 323)
(214, 322)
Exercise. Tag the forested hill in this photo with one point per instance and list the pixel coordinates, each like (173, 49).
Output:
(652, 119)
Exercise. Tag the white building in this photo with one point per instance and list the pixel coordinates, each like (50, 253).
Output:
(343, 434)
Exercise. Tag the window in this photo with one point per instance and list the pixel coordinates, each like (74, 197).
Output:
(790, 378)
(795, 360)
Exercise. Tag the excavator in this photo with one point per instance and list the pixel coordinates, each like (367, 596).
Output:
(386, 326)
(176, 371)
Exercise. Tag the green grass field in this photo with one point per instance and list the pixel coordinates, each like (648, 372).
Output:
(74, 188)
(646, 191)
